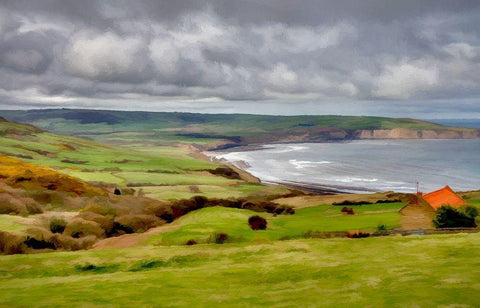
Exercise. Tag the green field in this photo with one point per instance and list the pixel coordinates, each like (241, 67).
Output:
(286, 265)
(202, 225)
(429, 271)
(142, 163)
(134, 128)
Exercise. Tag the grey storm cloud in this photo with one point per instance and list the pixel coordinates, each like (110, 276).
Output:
(310, 54)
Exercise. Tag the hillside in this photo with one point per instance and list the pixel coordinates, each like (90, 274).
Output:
(161, 172)
(412, 271)
(223, 130)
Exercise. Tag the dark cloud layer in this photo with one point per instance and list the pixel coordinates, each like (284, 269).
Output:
(273, 56)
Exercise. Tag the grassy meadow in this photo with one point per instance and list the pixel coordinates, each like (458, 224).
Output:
(207, 130)
(429, 271)
(162, 171)
(283, 266)
(203, 224)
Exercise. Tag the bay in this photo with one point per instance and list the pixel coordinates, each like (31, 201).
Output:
(368, 165)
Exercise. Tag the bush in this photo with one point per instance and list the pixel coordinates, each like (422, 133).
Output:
(347, 202)
(104, 222)
(257, 222)
(18, 205)
(382, 227)
(79, 227)
(450, 217)
(469, 211)
(102, 210)
(358, 234)
(136, 223)
(347, 210)
(11, 243)
(220, 238)
(39, 244)
(57, 225)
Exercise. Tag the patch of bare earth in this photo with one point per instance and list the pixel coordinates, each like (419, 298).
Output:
(132, 240)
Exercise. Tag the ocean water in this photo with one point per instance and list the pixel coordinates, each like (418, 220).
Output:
(366, 165)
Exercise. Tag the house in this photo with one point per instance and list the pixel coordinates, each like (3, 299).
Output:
(420, 212)
(442, 197)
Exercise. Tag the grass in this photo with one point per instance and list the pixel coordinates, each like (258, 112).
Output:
(428, 271)
(120, 127)
(13, 223)
(143, 162)
(203, 224)
(211, 191)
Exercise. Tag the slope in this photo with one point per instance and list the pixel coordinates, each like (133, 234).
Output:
(213, 130)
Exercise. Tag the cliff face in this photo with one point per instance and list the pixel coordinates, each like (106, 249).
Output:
(336, 134)
(403, 133)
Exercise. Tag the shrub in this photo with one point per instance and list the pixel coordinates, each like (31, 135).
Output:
(11, 243)
(39, 244)
(220, 238)
(381, 227)
(450, 217)
(358, 234)
(102, 210)
(18, 205)
(138, 222)
(469, 211)
(347, 210)
(347, 202)
(57, 225)
(79, 227)
(104, 222)
(66, 242)
(257, 222)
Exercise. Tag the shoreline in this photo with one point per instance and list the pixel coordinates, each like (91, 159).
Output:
(317, 186)
(312, 188)
(323, 189)
(261, 146)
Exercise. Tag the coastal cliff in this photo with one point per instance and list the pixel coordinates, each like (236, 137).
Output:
(331, 134)
(403, 133)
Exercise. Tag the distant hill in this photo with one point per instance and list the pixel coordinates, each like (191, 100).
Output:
(224, 130)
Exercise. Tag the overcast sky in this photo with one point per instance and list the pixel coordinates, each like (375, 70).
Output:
(395, 58)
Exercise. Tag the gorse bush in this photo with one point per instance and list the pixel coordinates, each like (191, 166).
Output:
(57, 225)
(450, 217)
(257, 222)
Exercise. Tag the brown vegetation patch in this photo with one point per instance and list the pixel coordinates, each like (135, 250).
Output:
(79, 227)
(12, 204)
(17, 173)
(126, 161)
(257, 223)
(74, 161)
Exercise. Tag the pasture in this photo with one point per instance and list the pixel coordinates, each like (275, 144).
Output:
(428, 271)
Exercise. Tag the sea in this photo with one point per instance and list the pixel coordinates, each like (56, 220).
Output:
(367, 165)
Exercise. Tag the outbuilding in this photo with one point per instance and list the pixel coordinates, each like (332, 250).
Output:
(420, 212)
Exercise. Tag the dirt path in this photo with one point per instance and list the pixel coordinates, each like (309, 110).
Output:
(132, 240)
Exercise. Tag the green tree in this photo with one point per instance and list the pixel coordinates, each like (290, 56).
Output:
(450, 217)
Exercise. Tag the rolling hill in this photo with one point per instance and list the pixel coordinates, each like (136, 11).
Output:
(224, 130)
(162, 172)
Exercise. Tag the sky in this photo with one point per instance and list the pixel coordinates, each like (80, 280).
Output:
(377, 57)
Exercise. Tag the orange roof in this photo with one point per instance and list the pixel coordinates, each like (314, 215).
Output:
(444, 196)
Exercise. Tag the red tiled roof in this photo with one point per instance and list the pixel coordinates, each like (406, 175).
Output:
(444, 196)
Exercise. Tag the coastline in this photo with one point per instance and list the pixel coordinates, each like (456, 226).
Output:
(392, 181)
(311, 188)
